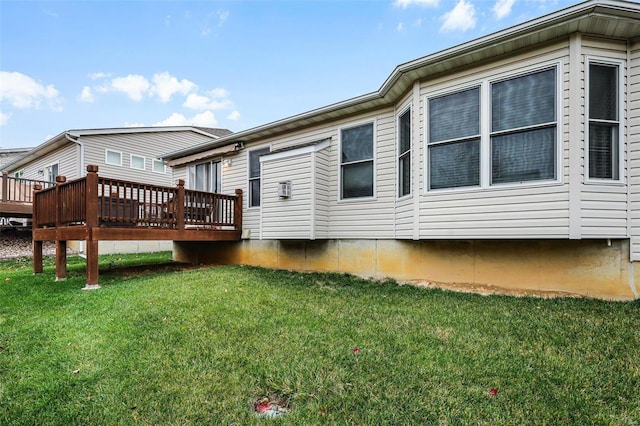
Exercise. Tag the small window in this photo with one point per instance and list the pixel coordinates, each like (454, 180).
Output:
(137, 162)
(604, 122)
(19, 174)
(113, 157)
(254, 175)
(356, 162)
(158, 166)
(454, 140)
(404, 154)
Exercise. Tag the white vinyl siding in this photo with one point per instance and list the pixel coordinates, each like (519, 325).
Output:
(634, 147)
(322, 194)
(65, 157)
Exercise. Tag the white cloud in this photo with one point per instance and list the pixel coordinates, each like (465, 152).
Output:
(86, 95)
(223, 15)
(502, 8)
(406, 3)
(400, 27)
(4, 118)
(24, 92)
(220, 17)
(234, 116)
(205, 119)
(215, 102)
(98, 75)
(134, 86)
(127, 124)
(461, 18)
(165, 85)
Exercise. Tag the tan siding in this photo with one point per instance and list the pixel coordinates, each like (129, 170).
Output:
(633, 143)
(287, 218)
(149, 145)
(67, 157)
(322, 194)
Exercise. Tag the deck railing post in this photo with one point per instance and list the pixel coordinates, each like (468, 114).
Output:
(91, 211)
(61, 245)
(5, 186)
(37, 245)
(237, 210)
(179, 207)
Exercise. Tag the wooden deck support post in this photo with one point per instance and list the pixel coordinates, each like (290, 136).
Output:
(37, 245)
(5, 187)
(180, 205)
(61, 245)
(91, 210)
(237, 211)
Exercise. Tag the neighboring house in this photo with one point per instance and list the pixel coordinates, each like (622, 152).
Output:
(124, 153)
(510, 161)
(9, 155)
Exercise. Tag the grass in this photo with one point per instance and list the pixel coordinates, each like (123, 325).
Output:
(164, 344)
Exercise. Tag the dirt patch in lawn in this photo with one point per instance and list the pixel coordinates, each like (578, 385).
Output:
(486, 290)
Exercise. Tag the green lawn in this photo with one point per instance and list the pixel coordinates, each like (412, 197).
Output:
(164, 344)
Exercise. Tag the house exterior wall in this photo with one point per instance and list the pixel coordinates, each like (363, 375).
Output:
(66, 157)
(633, 144)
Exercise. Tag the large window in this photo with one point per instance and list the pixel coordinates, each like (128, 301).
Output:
(206, 177)
(454, 139)
(404, 154)
(604, 122)
(254, 175)
(356, 162)
(523, 128)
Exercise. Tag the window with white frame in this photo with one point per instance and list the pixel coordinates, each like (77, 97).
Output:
(206, 177)
(604, 121)
(19, 174)
(454, 139)
(254, 175)
(404, 154)
(113, 157)
(523, 128)
(158, 166)
(137, 162)
(356, 162)
(499, 132)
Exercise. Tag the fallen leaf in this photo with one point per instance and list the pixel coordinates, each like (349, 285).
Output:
(76, 371)
(493, 391)
(7, 279)
(356, 351)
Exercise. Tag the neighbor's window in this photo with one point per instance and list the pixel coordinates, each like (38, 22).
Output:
(206, 177)
(254, 175)
(604, 122)
(19, 174)
(454, 139)
(113, 157)
(523, 128)
(404, 154)
(158, 166)
(137, 162)
(356, 162)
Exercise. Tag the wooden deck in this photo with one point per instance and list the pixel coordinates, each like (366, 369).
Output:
(94, 208)
(16, 196)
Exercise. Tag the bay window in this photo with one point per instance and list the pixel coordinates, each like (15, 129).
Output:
(604, 122)
(404, 154)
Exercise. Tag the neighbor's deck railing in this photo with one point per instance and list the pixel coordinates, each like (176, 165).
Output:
(97, 201)
(19, 190)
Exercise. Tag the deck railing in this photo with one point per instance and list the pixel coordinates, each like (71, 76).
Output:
(19, 190)
(98, 201)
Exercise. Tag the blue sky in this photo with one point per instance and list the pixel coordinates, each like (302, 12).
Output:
(231, 64)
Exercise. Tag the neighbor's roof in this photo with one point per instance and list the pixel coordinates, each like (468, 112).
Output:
(72, 135)
(610, 18)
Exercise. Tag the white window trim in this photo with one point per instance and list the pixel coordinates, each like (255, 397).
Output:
(359, 123)
(589, 59)
(485, 130)
(106, 151)
(153, 167)
(144, 162)
(402, 111)
(249, 206)
(49, 166)
(19, 174)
